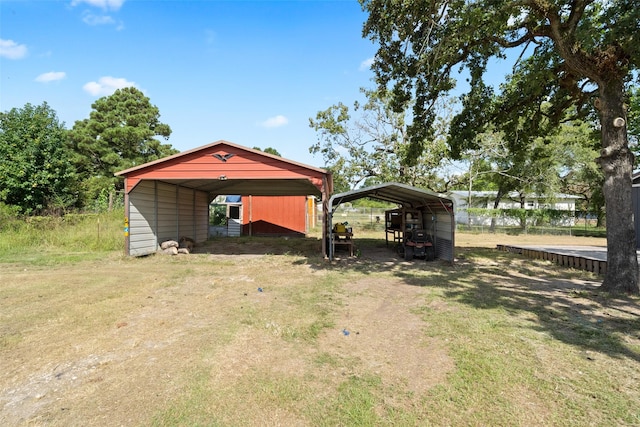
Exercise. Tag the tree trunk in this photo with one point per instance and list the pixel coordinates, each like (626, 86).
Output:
(496, 203)
(616, 161)
(600, 219)
(523, 215)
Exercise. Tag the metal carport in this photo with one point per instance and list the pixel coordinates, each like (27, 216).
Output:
(168, 197)
(439, 207)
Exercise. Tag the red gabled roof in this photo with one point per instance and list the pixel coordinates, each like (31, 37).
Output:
(223, 165)
(208, 147)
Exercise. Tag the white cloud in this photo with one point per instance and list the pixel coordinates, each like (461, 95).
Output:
(12, 50)
(106, 86)
(103, 4)
(366, 64)
(91, 19)
(51, 76)
(516, 21)
(274, 122)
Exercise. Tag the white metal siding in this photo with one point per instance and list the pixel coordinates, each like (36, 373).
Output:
(234, 228)
(142, 216)
(444, 236)
(159, 211)
(186, 213)
(167, 212)
(201, 216)
(440, 225)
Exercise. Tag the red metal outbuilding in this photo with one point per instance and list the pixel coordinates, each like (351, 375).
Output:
(169, 198)
(277, 215)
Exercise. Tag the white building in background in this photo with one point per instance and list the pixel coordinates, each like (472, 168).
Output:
(486, 200)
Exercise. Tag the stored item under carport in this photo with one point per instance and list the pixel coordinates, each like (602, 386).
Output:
(418, 243)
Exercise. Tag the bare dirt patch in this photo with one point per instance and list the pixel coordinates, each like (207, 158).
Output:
(383, 332)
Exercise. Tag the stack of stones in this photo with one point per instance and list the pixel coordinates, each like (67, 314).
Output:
(171, 247)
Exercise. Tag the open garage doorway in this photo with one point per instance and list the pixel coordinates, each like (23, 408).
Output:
(225, 215)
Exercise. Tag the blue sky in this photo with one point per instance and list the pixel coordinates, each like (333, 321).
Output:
(250, 72)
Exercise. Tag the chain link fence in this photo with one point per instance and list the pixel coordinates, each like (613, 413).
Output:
(360, 218)
(508, 221)
(531, 221)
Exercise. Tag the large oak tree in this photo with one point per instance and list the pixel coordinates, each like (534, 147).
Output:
(573, 54)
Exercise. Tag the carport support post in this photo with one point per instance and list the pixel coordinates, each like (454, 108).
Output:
(325, 217)
(126, 219)
(329, 235)
(452, 216)
(250, 215)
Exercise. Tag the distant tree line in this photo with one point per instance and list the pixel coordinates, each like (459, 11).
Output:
(48, 169)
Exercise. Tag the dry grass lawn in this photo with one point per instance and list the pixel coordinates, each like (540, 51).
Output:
(266, 332)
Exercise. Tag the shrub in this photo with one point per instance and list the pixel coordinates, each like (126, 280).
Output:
(9, 215)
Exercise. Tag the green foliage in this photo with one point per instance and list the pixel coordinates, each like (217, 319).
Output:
(421, 45)
(8, 216)
(119, 133)
(494, 164)
(339, 173)
(344, 151)
(35, 173)
(368, 144)
(373, 203)
(106, 201)
(269, 150)
(485, 212)
(563, 161)
(633, 117)
(581, 175)
(218, 214)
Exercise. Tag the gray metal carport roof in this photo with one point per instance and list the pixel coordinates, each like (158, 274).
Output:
(401, 194)
(394, 192)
